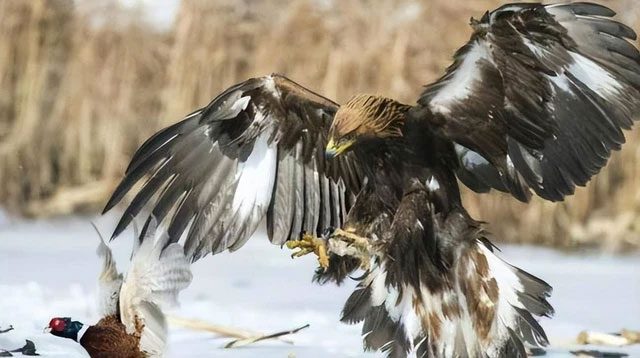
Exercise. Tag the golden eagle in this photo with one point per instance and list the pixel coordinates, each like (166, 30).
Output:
(535, 101)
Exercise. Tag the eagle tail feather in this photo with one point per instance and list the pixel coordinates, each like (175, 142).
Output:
(487, 306)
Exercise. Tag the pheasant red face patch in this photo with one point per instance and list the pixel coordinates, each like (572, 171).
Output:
(57, 324)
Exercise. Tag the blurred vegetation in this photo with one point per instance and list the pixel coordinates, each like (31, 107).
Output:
(84, 84)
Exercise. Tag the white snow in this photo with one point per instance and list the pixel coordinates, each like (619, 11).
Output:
(49, 268)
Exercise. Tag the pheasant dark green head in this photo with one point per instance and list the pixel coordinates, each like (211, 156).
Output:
(64, 327)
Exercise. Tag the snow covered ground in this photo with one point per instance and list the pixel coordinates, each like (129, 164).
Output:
(48, 268)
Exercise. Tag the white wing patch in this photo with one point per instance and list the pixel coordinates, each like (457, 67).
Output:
(470, 159)
(562, 82)
(256, 177)
(460, 86)
(433, 184)
(240, 105)
(584, 69)
(593, 76)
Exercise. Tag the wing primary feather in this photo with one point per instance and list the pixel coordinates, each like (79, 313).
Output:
(163, 139)
(207, 218)
(585, 8)
(325, 210)
(298, 195)
(610, 27)
(194, 176)
(280, 216)
(139, 202)
(184, 214)
(131, 179)
(311, 197)
(152, 154)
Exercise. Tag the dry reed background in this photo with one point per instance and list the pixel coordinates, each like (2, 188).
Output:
(82, 86)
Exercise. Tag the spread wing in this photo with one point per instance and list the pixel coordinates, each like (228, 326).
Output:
(158, 272)
(109, 281)
(538, 98)
(256, 151)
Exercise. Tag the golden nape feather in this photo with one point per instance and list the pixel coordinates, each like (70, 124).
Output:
(366, 114)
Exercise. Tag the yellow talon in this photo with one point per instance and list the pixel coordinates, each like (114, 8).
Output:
(308, 244)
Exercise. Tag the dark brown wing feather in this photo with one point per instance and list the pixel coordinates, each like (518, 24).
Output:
(538, 98)
(256, 150)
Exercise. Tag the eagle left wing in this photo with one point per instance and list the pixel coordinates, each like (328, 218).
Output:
(538, 98)
(255, 152)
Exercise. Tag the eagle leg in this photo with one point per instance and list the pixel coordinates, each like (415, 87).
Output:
(352, 239)
(345, 243)
(308, 244)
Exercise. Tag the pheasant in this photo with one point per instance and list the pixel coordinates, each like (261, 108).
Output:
(132, 323)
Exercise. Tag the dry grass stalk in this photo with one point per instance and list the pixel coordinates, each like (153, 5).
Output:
(79, 97)
(242, 337)
(624, 338)
(247, 341)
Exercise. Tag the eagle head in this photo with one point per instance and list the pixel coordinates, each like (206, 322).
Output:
(365, 118)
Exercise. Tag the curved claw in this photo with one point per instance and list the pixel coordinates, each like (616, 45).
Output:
(310, 244)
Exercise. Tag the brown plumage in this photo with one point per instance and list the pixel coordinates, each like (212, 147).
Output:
(108, 338)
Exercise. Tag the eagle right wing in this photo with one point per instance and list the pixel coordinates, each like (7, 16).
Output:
(538, 98)
(256, 151)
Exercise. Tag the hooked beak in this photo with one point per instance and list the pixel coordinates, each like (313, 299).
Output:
(334, 149)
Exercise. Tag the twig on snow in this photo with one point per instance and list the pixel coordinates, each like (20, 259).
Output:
(246, 341)
(242, 337)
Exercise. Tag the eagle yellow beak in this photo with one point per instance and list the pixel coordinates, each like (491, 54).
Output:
(334, 149)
